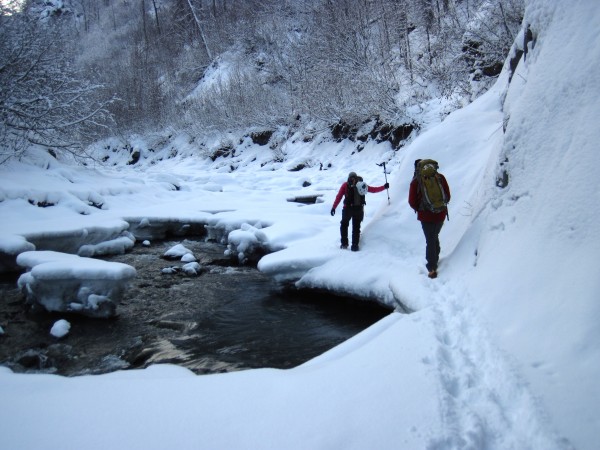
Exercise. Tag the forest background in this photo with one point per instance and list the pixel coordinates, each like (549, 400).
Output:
(76, 71)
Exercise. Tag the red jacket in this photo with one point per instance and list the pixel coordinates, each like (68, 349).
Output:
(342, 192)
(414, 200)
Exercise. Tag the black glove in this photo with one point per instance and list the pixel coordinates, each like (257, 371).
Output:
(333, 211)
(386, 185)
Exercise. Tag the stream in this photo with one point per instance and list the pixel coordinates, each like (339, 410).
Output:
(228, 318)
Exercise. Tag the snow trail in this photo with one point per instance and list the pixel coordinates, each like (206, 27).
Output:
(483, 401)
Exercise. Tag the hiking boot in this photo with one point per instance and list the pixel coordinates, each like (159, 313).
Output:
(354, 248)
(344, 246)
(432, 274)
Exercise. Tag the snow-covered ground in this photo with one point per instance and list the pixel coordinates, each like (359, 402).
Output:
(501, 351)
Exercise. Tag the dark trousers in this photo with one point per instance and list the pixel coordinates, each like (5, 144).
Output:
(432, 243)
(355, 214)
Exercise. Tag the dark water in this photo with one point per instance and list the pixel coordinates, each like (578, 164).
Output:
(228, 318)
(263, 327)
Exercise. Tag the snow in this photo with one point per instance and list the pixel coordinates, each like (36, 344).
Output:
(60, 328)
(178, 251)
(501, 351)
(50, 265)
(115, 246)
(69, 283)
(192, 268)
(15, 244)
(11, 246)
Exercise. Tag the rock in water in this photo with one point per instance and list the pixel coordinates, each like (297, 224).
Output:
(63, 282)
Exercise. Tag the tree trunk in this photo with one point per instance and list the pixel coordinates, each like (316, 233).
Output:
(156, 15)
(208, 52)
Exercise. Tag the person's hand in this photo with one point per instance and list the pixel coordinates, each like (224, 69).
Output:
(386, 185)
(333, 211)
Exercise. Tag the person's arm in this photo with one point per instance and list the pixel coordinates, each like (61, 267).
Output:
(375, 189)
(413, 195)
(338, 197)
(446, 187)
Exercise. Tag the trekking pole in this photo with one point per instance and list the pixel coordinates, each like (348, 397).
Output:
(385, 174)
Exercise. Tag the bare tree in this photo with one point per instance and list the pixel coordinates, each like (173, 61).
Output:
(43, 100)
(200, 28)
(331, 60)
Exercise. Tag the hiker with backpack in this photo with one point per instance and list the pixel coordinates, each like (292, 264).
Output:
(353, 190)
(428, 196)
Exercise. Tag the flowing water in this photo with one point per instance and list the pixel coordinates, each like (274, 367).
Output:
(228, 318)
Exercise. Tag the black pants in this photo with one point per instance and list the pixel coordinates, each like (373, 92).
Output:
(432, 243)
(356, 214)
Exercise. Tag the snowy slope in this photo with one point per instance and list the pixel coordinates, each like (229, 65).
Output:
(543, 226)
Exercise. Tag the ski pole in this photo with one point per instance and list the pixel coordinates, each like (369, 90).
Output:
(385, 174)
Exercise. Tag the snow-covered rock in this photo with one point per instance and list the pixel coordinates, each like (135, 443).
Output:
(192, 268)
(188, 258)
(248, 243)
(69, 283)
(177, 252)
(60, 328)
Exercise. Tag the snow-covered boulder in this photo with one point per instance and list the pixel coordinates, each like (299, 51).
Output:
(192, 269)
(60, 328)
(68, 283)
(188, 258)
(249, 243)
(177, 252)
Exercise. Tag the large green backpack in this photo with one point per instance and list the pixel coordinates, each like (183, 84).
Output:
(433, 196)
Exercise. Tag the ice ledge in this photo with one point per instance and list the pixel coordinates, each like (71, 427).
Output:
(10, 247)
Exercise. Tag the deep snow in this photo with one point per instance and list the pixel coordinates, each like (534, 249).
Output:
(501, 350)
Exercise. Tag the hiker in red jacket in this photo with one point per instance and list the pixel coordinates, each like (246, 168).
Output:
(431, 222)
(353, 190)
